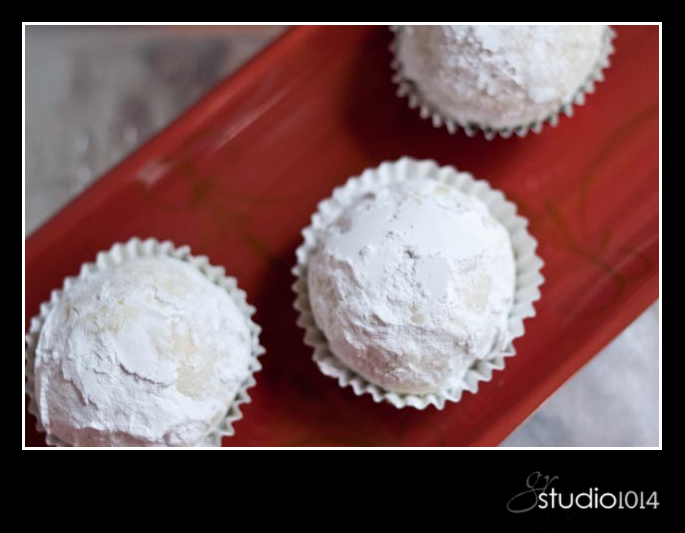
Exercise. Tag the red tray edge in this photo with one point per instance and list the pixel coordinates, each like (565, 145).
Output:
(191, 117)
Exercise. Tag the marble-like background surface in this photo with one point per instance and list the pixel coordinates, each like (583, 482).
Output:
(81, 118)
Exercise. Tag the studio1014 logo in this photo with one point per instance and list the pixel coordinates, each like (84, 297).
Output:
(541, 494)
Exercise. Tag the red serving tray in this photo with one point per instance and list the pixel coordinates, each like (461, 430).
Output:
(238, 176)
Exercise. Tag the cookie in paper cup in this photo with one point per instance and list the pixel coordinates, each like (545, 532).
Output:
(501, 80)
(412, 282)
(147, 346)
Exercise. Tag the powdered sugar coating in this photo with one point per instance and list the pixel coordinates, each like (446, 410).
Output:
(499, 76)
(412, 284)
(148, 352)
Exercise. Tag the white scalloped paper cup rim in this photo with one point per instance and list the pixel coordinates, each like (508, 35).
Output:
(528, 276)
(407, 88)
(118, 254)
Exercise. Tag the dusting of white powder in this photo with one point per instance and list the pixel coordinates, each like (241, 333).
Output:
(150, 352)
(499, 76)
(412, 284)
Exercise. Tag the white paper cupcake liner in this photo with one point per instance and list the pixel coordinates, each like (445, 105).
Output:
(120, 253)
(406, 87)
(528, 276)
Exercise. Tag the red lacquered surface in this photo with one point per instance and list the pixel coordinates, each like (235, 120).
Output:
(239, 175)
